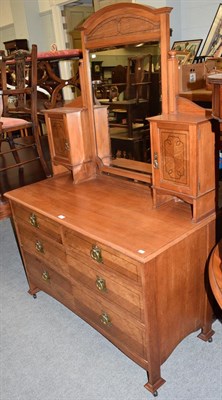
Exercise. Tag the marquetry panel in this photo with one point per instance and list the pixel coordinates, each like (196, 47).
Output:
(175, 156)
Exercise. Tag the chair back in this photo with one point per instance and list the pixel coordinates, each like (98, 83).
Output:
(19, 84)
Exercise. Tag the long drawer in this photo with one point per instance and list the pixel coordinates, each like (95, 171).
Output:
(94, 253)
(116, 289)
(43, 247)
(126, 333)
(38, 222)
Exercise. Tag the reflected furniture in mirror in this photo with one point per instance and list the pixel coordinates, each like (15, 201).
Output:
(126, 89)
(126, 257)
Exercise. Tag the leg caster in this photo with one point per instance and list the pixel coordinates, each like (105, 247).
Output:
(206, 337)
(34, 296)
(153, 387)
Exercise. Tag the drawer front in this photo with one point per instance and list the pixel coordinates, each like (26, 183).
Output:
(43, 247)
(126, 333)
(38, 222)
(94, 253)
(44, 277)
(107, 285)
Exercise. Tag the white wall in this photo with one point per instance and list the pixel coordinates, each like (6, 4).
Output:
(197, 17)
(5, 13)
(189, 19)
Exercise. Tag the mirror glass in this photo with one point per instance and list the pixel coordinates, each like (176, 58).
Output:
(127, 80)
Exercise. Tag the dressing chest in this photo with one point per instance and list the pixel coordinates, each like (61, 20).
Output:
(135, 273)
(128, 257)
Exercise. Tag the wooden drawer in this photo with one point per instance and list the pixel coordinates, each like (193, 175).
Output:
(106, 284)
(43, 247)
(42, 276)
(38, 222)
(94, 253)
(126, 333)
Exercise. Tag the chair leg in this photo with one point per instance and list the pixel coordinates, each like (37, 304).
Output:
(40, 153)
(12, 147)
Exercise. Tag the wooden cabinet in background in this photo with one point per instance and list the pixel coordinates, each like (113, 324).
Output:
(16, 44)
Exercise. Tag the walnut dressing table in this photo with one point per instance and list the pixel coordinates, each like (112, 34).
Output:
(128, 258)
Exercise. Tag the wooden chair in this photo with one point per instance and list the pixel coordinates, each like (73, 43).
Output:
(19, 122)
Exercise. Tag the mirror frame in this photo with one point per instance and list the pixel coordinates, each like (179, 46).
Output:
(119, 25)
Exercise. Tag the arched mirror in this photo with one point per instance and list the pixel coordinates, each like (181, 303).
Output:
(123, 46)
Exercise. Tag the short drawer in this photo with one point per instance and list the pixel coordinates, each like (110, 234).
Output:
(38, 222)
(126, 333)
(44, 277)
(43, 247)
(114, 288)
(94, 253)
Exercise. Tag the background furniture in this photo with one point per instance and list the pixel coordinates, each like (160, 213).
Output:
(195, 89)
(19, 100)
(49, 78)
(215, 272)
(16, 44)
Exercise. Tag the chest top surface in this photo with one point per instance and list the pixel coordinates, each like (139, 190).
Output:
(117, 214)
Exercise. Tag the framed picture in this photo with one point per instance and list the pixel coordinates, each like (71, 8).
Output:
(190, 46)
(213, 44)
(182, 57)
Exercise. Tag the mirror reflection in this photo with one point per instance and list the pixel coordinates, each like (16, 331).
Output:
(127, 81)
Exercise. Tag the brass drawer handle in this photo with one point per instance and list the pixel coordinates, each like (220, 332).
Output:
(45, 276)
(105, 319)
(39, 246)
(96, 254)
(33, 220)
(101, 284)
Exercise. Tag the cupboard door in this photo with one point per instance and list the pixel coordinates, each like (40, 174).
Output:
(60, 139)
(173, 149)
